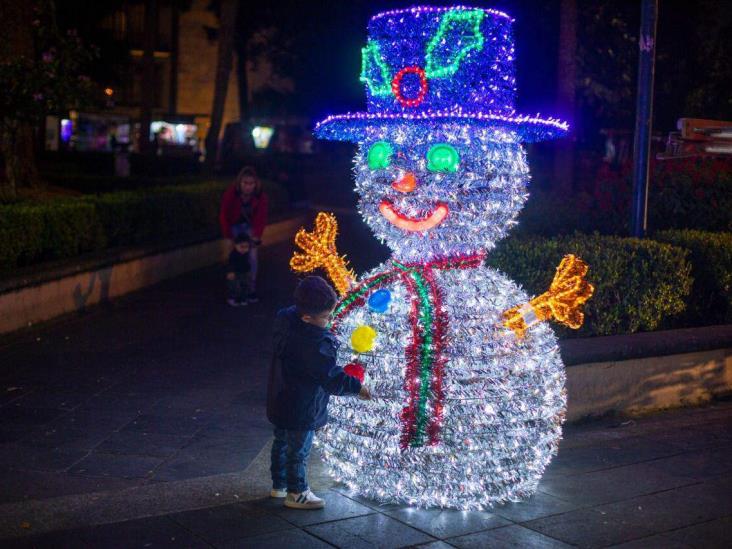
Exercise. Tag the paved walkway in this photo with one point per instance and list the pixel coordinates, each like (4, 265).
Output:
(141, 424)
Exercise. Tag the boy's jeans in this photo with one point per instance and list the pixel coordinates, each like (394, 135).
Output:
(240, 287)
(290, 451)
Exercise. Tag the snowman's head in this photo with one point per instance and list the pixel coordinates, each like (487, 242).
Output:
(431, 191)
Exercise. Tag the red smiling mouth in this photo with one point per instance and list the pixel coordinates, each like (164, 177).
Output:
(406, 223)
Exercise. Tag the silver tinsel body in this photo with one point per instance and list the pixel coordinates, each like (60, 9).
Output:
(503, 405)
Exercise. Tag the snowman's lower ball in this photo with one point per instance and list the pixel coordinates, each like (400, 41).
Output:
(503, 400)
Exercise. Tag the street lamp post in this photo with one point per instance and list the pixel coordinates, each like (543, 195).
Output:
(643, 116)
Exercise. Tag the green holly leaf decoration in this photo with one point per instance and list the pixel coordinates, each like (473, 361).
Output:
(458, 34)
(374, 70)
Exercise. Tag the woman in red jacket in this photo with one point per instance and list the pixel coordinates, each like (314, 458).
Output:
(244, 210)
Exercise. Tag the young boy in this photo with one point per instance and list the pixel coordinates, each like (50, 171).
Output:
(237, 276)
(302, 376)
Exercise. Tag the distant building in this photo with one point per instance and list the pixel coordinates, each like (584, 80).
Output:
(185, 68)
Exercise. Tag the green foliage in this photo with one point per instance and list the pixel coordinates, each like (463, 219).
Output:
(711, 259)
(45, 73)
(35, 232)
(31, 233)
(638, 283)
(693, 193)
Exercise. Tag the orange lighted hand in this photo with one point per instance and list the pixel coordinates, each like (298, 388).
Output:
(320, 251)
(563, 302)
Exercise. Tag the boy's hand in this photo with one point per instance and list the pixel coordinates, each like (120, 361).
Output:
(230, 276)
(364, 393)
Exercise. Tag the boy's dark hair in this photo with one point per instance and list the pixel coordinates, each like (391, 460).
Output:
(313, 296)
(241, 237)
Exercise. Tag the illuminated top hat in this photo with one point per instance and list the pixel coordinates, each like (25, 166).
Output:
(440, 64)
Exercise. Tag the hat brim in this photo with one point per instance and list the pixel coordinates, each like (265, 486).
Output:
(353, 126)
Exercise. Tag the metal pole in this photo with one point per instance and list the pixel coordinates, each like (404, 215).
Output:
(643, 116)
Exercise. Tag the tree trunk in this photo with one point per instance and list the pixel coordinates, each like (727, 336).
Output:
(242, 59)
(148, 75)
(566, 86)
(17, 137)
(18, 150)
(223, 70)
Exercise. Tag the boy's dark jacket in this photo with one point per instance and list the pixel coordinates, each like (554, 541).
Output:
(303, 374)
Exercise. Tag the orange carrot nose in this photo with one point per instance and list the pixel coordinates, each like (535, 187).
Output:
(406, 184)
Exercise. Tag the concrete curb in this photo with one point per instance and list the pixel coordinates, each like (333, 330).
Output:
(644, 385)
(28, 305)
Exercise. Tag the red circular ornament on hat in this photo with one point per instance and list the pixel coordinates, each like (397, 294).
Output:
(396, 86)
(354, 369)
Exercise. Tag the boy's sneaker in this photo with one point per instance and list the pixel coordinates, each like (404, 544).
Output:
(233, 302)
(242, 303)
(278, 493)
(253, 297)
(304, 500)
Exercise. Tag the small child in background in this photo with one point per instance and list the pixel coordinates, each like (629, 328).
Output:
(238, 278)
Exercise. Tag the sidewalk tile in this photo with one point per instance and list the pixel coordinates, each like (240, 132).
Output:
(696, 438)
(95, 419)
(589, 528)
(147, 532)
(11, 391)
(228, 523)
(60, 400)
(698, 464)
(539, 505)
(375, 530)
(640, 516)
(611, 484)
(295, 539)
(108, 402)
(67, 438)
(25, 485)
(507, 536)
(447, 523)
(188, 464)
(116, 465)
(703, 536)
(28, 458)
(143, 444)
(167, 425)
(52, 540)
(19, 416)
(613, 453)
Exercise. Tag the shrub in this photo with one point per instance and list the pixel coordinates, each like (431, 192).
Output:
(689, 193)
(35, 232)
(696, 194)
(638, 283)
(710, 301)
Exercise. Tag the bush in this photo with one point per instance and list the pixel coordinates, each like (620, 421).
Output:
(694, 194)
(35, 232)
(690, 193)
(710, 301)
(638, 283)
(30, 233)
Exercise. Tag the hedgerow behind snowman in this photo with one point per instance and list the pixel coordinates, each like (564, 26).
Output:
(468, 381)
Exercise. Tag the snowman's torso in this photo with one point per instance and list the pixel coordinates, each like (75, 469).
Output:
(501, 398)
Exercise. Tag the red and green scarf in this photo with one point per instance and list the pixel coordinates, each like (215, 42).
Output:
(425, 355)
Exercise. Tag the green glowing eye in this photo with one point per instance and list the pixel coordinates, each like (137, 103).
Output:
(442, 158)
(379, 155)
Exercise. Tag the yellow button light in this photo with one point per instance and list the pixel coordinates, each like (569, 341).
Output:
(362, 339)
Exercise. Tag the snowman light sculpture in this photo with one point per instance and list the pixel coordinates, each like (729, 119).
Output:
(468, 382)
